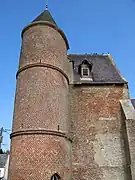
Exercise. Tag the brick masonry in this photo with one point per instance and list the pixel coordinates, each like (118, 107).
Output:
(50, 111)
(98, 144)
(41, 105)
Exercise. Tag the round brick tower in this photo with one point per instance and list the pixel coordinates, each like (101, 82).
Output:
(40, 142)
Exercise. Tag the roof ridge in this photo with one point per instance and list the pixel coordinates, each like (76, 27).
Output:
(85, 54)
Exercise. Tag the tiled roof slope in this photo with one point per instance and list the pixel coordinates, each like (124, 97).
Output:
(3, 159)
(133, 102)
(103, 71)
(45, 16)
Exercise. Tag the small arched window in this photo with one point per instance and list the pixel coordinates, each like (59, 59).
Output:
(55, 177)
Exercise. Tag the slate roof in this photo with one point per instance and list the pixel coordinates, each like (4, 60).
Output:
(103, 70)
(3, 159)
(133, 102)
(45, 16)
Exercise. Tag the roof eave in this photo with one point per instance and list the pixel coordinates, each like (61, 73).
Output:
(99, 83)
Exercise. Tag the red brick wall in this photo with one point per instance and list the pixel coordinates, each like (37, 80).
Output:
(41, 105)
(98, 149)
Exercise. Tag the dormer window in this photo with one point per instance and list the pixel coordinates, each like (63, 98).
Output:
(85, 70)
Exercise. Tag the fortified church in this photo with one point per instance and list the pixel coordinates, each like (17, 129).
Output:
(73, 116)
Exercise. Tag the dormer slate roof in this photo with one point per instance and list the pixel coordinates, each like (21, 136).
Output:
(103, 71)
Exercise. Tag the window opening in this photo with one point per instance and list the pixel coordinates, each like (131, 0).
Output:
(55, 177)
(85, 72)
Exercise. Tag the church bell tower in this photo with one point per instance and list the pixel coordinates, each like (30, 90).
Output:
(40, 141)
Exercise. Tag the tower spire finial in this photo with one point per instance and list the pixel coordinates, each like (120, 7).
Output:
(46, 4)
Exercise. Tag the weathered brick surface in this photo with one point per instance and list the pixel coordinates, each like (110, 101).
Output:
(44, 44)
(41, 103)
(37, 157)
(98, 148)
(41, 100)
(91, 117)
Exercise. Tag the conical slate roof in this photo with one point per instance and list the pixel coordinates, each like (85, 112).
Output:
(45, 16)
